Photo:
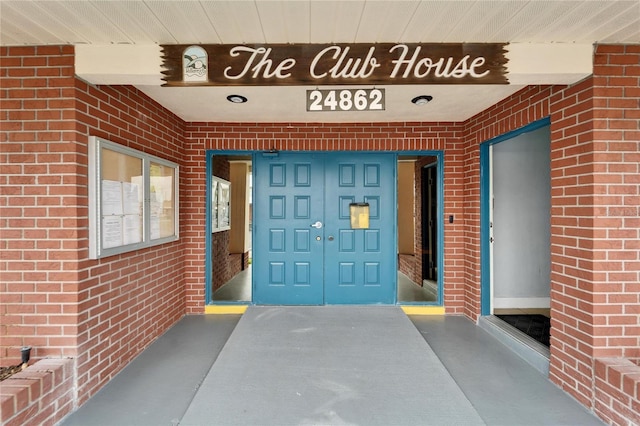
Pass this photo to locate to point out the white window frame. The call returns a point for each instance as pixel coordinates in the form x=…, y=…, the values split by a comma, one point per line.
x=220, y=205
x=97, y=247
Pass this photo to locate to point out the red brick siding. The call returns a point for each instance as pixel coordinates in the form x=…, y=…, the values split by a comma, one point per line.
x=53, y=297
x=126, y=301
x=40, y=203
x=193, y=207
x=220, y=272
x=571, y=237
x=614, y=242
x=454, y=234
x=224, y=266
x=40, y=395
x=407, y=265
x=616, y=201
x=595, y=226
x=617, y=391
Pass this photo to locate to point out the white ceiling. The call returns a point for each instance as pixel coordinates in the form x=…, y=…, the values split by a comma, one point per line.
x=150, y=23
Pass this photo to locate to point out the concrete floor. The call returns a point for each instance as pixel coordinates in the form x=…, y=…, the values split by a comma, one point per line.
x=158, y=387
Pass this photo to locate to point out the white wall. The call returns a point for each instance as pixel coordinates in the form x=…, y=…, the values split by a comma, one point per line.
x=522, y=202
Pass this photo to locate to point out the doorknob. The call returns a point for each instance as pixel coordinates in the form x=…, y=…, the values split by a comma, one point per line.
x=317, y=225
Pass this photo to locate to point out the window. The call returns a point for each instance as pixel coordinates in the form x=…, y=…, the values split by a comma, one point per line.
x=220, y=204
x=133, y=199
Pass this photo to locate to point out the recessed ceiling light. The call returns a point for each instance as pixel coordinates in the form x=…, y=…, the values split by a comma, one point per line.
x=236, y=99
x=422, y=99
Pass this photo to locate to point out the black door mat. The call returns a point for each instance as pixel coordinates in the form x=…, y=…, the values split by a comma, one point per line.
x=535, y=326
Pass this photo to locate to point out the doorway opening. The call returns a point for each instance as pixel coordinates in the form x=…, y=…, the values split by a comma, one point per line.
x=420, y=228
x=230, y=260
x=229, y=205
x=516, y=230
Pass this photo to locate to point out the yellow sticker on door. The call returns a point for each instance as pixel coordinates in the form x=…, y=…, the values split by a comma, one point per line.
x=359, y=215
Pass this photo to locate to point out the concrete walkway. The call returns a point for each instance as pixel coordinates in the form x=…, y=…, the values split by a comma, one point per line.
x=159, y=386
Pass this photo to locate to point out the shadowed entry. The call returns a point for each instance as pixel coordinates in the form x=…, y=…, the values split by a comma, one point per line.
x=517, y=230
x=309, y=248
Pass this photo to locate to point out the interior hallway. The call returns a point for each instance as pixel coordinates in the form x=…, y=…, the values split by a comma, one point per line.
x=159, y=386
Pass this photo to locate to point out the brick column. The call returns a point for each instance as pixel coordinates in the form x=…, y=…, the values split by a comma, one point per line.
x=41, y=202
x=595, y=233
x=616, y=233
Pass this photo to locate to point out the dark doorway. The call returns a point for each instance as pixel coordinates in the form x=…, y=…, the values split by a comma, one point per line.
x=430, y=225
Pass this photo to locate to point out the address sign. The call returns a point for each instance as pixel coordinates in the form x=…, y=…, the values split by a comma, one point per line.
x=345, y=100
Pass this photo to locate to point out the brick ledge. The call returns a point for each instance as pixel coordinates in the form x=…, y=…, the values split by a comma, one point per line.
x=42, y=394
x=617, y=391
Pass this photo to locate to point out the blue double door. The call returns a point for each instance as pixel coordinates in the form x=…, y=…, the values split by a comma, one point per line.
x=305, y=250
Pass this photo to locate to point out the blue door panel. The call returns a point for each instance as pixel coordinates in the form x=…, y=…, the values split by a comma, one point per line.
x=302, y=274
x=277, y=207
x=287, y=259
x=296, y=263
x=360, y=264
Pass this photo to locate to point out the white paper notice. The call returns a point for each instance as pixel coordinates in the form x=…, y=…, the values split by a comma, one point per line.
x=155, y=227
x=131, y=198
x=111, y=231
x=132, y=229
x=111, y=198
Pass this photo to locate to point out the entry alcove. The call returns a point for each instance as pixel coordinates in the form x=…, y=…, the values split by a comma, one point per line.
x=419, y=229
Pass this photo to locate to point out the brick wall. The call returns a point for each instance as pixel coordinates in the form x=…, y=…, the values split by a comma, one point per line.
x=571, y=236
x=595, y=230
x=40, y=395
x=41, y=202
x=224, y=266
x=407, y=265
x=415, y=271
x=193, y=212
x=616, y=201
x=125, y=301
x=101, y=313
x=454, y=233
x=617, y=391
x=220, y=272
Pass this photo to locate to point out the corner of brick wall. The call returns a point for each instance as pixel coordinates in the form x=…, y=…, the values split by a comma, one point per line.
x=407, y=264
x=617, y=391
x=42, y=394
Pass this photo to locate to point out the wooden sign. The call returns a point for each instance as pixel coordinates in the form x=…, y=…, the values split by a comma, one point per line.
x=334, y=64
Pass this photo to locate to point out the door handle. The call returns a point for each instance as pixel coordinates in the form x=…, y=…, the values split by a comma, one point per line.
x=317, y=225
